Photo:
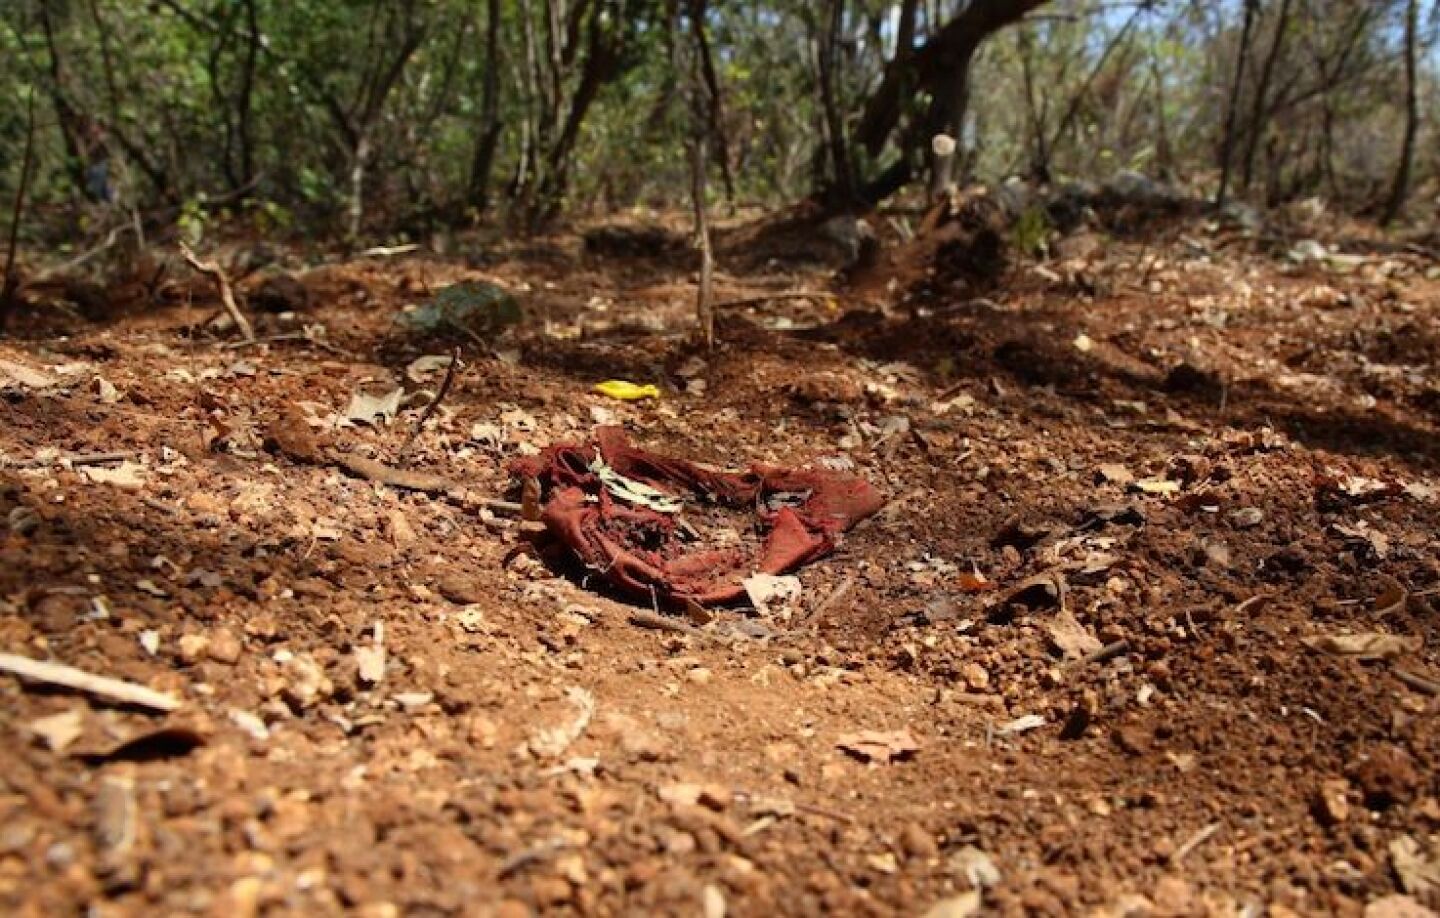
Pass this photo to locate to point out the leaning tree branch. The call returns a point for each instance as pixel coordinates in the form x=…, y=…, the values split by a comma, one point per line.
x=222, y=283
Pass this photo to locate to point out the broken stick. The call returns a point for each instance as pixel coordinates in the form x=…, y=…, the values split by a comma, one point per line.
x=222, y=283
x=424, y=482
x=78, y=679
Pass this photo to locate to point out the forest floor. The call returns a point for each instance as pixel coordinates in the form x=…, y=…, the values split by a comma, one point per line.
x=1148, y=625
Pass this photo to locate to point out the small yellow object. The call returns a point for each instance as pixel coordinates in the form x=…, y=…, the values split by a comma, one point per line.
x=626, y=391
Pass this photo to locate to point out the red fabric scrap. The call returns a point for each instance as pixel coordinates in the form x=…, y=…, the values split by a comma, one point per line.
x=636, y=549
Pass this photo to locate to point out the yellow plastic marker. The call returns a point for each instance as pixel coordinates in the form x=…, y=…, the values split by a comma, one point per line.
x=626, y=391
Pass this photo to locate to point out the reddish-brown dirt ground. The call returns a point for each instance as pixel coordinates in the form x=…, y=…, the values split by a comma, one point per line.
x=1127, y=493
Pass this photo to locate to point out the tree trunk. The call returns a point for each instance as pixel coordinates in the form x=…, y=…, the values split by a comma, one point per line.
x=1401, y=187
x=484, y=158
x=1262, y=94
x=715, y=108
x=842, y=173
x=1228, y=142
x=932, y=66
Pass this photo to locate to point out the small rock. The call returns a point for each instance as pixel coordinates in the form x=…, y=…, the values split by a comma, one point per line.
x=192, y=648
x=1331, y=805
x=976, y=676
x=712, y=902
x=1174, y=896
x=974, y=867
x=917, y=843
x=1246, y=517
x=462, y=590
x=961, y=906
x=1397, y=907
x=224, y=646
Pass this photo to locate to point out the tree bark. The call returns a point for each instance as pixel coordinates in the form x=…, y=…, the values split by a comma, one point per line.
x=842, y=172
x=933, y=66
x=484, y=159
x=1227, y=144
x=715, y=107
x=1401, y=187
x=1262, y=95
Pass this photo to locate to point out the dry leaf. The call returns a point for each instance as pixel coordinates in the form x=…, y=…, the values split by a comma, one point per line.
x=1417, y=869
x=24, y=377
x=1373, y=645
x=127, y=475
x=977, y=582
x=370, y=663
x=879, y=746
x=1022, y=724
x=366, y=409
x=1070, y=637
x=421, y=367
x=1114, y=474
x=59, y=730
x=773, y=596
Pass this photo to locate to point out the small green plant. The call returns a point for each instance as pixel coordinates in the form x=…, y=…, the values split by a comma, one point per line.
x=192, y=219
x=1031, y=233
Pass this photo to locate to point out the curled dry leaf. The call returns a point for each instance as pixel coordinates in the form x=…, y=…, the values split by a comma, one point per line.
x=1070, y=637
x=1418, y=869
x=1374, y=645
x=882, y=746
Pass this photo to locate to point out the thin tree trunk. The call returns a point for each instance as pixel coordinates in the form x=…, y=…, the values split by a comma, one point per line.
x=1401, y=187
x=1164, y=156
x=1262, y=94
x=715, y=109
x=1228, y=142
x=842, y=172
x=484, y=159
x=245, y=97
x=1040, y=150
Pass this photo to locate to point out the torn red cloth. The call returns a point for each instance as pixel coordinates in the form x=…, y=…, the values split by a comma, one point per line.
x=636, y=548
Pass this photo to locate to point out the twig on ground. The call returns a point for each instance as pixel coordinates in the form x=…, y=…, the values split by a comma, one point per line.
x=101, y=686
x=424, y=482
x=1108, y=652
x=828, y=602
x=1417, y=682
x=75, y=459
x=1193, y=842
x=430, y=408
x=655, y=621
x=767, y=297
x=222, y=283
